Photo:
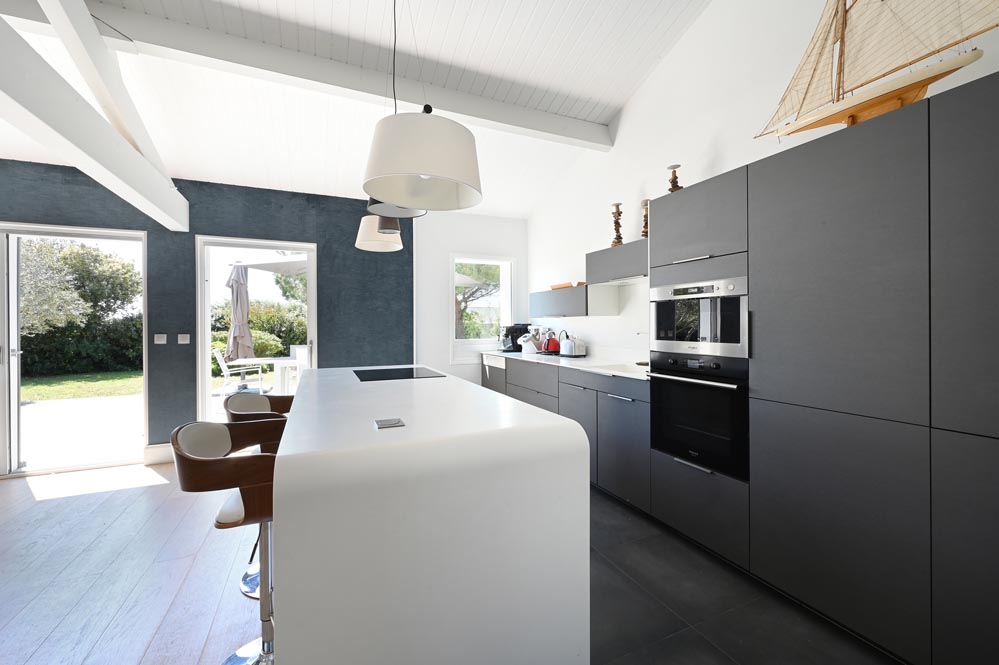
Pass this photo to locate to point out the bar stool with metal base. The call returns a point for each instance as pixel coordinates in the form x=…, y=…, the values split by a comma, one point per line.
x=243, y=407
x=203, y=455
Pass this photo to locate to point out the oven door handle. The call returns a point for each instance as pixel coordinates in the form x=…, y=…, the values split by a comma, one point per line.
x=700, y=382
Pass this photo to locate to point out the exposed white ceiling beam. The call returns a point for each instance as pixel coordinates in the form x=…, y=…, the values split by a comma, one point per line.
x=74, y=25
x=185, y=43
x=38, y=101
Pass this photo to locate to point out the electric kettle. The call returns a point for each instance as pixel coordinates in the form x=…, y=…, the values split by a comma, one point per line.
x=551, y=344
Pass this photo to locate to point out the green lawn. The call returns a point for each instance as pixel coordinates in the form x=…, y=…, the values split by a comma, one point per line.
x=104, y=384
x=68, y=386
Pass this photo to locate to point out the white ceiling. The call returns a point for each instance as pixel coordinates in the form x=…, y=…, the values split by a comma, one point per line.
x=577, y=58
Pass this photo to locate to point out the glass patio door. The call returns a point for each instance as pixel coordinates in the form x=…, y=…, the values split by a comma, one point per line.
x=72, y=389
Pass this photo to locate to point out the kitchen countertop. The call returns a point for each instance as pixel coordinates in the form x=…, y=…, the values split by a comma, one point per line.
x=596, y=364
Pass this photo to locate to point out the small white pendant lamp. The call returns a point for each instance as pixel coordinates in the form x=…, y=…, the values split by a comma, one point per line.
x=421, y=161
x=370, y=240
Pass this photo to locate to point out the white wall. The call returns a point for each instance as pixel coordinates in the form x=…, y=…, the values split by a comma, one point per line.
x=436, y=237
x=701, y=107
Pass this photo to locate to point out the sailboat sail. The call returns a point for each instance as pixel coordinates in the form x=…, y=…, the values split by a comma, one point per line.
x=880, y=38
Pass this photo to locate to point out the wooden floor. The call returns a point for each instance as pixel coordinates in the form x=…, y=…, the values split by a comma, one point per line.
x=118, y=566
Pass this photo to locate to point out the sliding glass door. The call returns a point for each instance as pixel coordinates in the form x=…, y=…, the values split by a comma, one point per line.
x=73, y=356
x=257, y=318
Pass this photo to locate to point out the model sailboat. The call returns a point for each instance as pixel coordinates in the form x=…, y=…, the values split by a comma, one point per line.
x=859, y=43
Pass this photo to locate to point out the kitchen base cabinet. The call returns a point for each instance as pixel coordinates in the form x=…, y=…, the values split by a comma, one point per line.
x=840, y=519
x=494, y=378
x=533, y=397
x=539, y=377
x=965, y=547
x=580, y=404
x=710, y=508
x=623, y=438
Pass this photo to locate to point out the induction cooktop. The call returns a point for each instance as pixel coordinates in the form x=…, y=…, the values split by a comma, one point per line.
x=396, y=373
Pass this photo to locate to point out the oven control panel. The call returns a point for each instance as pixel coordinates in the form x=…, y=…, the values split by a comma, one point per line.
x=732, y=368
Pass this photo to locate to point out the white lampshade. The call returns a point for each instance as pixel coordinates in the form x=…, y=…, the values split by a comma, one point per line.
x=376, y=207
x=370, y=240
x=423, y=161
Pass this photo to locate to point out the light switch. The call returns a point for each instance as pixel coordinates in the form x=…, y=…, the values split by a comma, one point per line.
x=159, y=338
x=183, y=339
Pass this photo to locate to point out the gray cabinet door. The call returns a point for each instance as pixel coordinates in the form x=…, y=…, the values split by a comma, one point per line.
x=559, y=302
x=628, y=260
x=839, y=271
x=538, y=376
x=494, y=378
x=965, y=547
x=840, y=519
x=704, y=219
x=964, y=247
x=623, y=447
x=710, y=508
x=580, y=404
x=532, y=397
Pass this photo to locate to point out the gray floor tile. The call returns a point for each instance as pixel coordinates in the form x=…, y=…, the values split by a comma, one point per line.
x=687, y=647
x=775, y=631
x=693, y=583
x=623, y=617
x=613, y=523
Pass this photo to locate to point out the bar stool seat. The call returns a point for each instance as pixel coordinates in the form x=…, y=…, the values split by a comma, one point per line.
x=203, y=454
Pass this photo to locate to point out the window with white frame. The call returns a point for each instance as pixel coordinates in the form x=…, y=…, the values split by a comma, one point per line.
x=483, y=304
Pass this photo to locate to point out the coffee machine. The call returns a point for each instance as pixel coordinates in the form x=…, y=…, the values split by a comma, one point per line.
x=510, y=336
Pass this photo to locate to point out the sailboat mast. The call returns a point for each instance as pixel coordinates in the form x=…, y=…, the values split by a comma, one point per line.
x=842, y=51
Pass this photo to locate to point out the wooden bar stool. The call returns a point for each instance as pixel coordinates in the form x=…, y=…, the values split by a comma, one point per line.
x=203, y=455
x=240, y=407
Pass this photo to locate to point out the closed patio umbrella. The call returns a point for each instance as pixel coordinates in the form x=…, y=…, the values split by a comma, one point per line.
x=240, y=344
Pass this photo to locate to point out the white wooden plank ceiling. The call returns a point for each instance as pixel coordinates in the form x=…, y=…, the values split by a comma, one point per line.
x=576, y=58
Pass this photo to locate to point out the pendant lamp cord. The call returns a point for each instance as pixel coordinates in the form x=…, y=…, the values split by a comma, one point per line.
x=395, y=39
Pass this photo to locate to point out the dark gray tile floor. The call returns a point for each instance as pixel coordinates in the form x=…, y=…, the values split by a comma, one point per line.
x=658, y=599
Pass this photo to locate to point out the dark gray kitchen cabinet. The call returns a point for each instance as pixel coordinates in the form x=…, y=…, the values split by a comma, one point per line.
x=628, y=260
x=840, y=519
x=559, y=302
x=494, y=378
x=839, y=271
x=965, y=547
x=964, y=258
x=710, y=508
x=537, y=376
x=623, y=439
x=702, y=220
x=580, y=404
x=532, y=397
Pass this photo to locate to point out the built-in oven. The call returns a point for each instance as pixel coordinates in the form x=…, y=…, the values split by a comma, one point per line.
x=708, y=318
x=700, y=411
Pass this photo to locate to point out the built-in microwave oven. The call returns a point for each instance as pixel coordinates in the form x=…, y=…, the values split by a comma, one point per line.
x=702, y=318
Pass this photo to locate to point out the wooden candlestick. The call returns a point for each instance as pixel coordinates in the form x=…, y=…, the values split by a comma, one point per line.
x=645, y=218
x=616, y=214
x=674, y=182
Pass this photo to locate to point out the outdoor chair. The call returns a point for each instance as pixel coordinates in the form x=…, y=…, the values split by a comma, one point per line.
x=240, y=384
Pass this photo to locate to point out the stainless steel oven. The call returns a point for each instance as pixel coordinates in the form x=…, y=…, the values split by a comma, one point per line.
x=702, y=318
x=700, y=411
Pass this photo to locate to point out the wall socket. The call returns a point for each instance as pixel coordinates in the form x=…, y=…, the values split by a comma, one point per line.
x=183, y=339
x=159, y=338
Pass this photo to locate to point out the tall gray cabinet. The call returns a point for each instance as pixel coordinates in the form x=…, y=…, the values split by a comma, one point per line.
x=964, y=223
x=839, y=271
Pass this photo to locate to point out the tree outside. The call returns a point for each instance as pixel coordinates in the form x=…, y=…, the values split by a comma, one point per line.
x=476, y=315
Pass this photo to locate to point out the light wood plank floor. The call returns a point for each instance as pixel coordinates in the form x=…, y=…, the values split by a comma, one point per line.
x=118, y=566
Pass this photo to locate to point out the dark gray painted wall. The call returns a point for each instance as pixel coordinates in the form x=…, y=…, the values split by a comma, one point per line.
x=365, y=300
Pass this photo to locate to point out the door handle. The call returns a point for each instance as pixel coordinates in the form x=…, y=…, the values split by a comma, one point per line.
x=569, y=385
x=701, y=382
x=698, y=467
x=693, y=258
x=623, y=399
x=16, y=352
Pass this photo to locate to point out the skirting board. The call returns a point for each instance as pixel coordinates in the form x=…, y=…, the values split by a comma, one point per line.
x=157, y=453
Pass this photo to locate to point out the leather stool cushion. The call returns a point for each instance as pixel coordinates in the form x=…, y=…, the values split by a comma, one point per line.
x=249, y=403
x=231, y=512
x=208, y=440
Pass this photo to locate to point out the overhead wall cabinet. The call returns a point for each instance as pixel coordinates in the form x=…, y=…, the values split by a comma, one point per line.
x=702, y=220
x=964, y=245
x=618, y=263
x=574, y=301
x=839, y=271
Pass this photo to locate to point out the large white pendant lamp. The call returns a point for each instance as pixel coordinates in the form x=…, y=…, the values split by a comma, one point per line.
x=370, y=240
x=382, y=209
x=421, y=161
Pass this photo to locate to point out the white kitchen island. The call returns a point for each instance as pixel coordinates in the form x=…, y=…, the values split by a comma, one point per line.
x=461, y=538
